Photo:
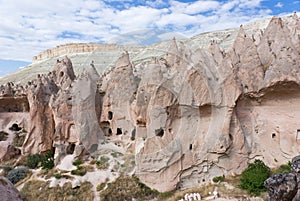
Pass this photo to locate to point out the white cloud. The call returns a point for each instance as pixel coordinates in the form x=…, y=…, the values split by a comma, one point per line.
x=279, y=5
x=28, y=27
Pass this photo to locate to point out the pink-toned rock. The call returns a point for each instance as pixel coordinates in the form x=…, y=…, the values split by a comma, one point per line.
x=188, y=116
x=8, y=151
x=8, y=192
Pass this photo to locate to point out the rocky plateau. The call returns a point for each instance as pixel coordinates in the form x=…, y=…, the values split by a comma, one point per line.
x=187, y=110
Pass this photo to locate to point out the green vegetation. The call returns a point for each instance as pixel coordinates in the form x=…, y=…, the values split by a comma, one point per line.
x=285, y=168
x=35, y=190
x=80, y=171
x=218, y=179
x=253, y=177
x=77, y=162
x=33, y=161
x=17, y=174
x=19, y=140
x=3, y=136
x=127, y=188
x=58, y=176
x=102, y=163
x=101, y=186
x=115, y=154
x=46, y=161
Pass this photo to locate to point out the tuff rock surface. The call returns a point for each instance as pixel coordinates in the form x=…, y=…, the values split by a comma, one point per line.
x=8, y=192
x=187, y=115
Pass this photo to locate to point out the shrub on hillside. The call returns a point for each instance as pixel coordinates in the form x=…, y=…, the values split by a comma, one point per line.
x=46, y=161
x=284, y=168
x=253, y=177
x=218, y=179
x=17, y=174
x=127, y=188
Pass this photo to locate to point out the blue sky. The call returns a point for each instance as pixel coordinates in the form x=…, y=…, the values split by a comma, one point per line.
x=28, y=27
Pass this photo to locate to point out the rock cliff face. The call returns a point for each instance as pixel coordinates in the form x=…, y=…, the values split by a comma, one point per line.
x=73, y=48
x=188, y=115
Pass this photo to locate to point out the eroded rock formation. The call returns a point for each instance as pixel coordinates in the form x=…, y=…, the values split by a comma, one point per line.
x=188, y=116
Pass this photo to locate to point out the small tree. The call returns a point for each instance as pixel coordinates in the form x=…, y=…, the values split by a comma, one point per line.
x=17, y=174
x=253, y=177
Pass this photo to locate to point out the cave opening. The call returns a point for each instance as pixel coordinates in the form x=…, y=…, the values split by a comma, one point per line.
x=159, y=132
x=191, y=146
x=71, y=148
x=110, y=115
x=133, y=133
x=15, y=127
x=298, y=134
x=119, y=131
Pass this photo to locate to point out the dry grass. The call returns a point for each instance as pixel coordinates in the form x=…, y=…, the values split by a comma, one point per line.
x=39, y=191
x=46, y=173
x=3, y=182
x=89, y=168
x=126, y=188
x=3, y=136
x=227, y=189
x=19, y=140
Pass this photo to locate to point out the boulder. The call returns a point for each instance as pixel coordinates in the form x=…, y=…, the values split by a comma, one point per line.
x=282, y=187
x=8, y=192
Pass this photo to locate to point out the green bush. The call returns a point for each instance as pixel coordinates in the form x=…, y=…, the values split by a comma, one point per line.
x=79, y=171
x=46, y=161
x=253, y=177
x=58, y=176
x=285, y=168
x=34, y=161
x=218, y=179
x=103, y=162
x=77, y=162
x=17, y=174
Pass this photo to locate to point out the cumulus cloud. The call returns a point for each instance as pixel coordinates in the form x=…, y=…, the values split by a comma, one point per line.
x=28, y=27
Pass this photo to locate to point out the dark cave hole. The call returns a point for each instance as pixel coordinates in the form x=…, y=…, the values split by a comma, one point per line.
x=71, y=148
x=159, y=132
x=15, y=127
x=273, y=135
x=133, y=133
x=191, y=146
x=110, y=115
x=119, y=131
